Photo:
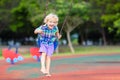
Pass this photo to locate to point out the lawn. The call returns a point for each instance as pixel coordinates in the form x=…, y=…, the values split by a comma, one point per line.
x=64, y=50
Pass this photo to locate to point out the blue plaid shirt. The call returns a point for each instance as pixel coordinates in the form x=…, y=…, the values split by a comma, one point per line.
x=49, y=34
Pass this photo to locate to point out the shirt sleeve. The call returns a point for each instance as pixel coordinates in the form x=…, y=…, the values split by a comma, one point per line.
x=39, y=28
x=56, y=29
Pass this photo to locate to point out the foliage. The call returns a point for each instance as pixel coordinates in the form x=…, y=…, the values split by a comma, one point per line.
x=111, y=16
x=20, y=15
x=5, y=11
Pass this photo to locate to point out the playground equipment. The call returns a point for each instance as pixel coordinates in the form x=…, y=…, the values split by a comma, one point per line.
x=12, y=56
x=34, y=51
x=35, y=54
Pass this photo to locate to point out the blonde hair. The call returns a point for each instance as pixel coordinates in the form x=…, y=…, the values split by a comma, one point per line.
x=49, y=16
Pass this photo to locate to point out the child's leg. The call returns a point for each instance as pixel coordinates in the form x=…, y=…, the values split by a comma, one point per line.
x=43, y=69
x=50, y=50
x=48, y=61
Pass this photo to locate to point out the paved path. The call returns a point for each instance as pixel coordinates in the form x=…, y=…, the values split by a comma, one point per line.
x=77, y=67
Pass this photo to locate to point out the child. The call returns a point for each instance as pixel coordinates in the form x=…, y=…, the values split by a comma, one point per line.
x=48, y=34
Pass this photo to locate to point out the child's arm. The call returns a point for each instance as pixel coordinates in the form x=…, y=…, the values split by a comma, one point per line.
x=38, y=31
x=58, y=35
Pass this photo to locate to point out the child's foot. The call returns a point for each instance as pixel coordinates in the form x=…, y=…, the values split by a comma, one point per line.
x=48, y=75
x=43, y=71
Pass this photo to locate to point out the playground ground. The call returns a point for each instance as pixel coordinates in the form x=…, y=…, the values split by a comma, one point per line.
x=72, y=67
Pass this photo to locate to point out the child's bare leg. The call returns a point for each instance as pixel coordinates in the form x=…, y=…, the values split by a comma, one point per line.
x=48, y=61
x=43, y=69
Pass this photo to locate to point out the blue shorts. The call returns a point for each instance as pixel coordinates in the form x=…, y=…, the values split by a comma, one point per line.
x=48, y=49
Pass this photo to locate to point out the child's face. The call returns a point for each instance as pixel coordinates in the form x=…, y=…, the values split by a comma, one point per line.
x=51, y=23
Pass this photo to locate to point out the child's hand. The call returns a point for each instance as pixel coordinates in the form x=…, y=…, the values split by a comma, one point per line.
x=59, y=36
x=38, y=31
x=41, y=32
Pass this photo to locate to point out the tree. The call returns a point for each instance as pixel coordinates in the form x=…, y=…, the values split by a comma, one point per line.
x=95, y=13
x=105, y=15
x=111, y=17
x=73, y=19
x=71, y=23
x=5, y=11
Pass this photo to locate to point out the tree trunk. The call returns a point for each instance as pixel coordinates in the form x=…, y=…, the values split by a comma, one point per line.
x=86, y=36
x=69, y=42
x=80, y=38
x=103, y=36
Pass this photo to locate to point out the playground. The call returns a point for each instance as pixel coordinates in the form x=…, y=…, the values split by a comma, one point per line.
x=83, y=33
x=72, y=67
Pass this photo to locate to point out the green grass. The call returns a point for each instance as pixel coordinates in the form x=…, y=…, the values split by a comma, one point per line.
x=64, y=50
x=98, y=49
x=1, y=54
x=90, y=50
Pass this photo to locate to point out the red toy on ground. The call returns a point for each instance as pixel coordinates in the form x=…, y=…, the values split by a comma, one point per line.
x=34, y=51
x=10, y=56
